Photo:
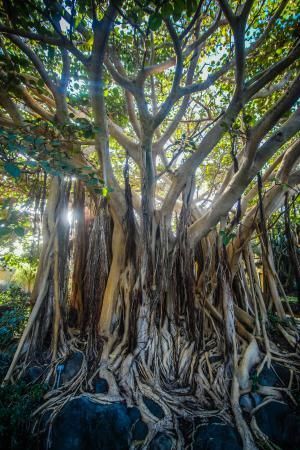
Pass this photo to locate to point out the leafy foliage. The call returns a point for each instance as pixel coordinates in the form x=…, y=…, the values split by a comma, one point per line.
x=17, y=402
x=14, y=312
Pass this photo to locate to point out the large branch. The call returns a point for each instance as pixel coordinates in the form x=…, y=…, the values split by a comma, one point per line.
x=36, y=61
x=215, y=134
x=46, y=39
x=265, y=177
x=61, y=108
x=31, y=103
x=261, y=80
x=294, y=178
x=123, y=81
x=169, y=102
x=102, y=31
x=62, y=41
x=269, y=90
x=130, y=146
x=283, y=105
x=242, y=178
x=129, y=98
x=273, y=199
x=11, y=108
x=238, y=26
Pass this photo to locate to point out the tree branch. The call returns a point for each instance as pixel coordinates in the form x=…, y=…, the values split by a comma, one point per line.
x=33, y=104
x=102, y=31
x=169, y=102
x=10, y=107
x=241, y=179
x=130, y=146
x=157, y=146
x=118, y=78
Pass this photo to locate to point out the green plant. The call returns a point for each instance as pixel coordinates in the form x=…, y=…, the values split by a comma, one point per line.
x=17, y=402
x=14, y=311
x=23, y=267
x=13, y=295
x=25, y=275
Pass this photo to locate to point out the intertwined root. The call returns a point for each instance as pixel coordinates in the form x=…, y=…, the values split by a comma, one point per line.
x=184, y=383
x=171, y=326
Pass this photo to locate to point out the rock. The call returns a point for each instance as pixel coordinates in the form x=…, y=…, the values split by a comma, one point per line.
x=101, y=386
x=32, y=374
x=134, y=414
x=280, y=424
x=161, y=442
x=246, y=402
x=292, y=431
x=215, y=358
x=250, y=401
x=86, y=425
x=140, y=431
x=276, y=375
x=71, y=367
x=154, y=407
x=216, y=435
x=257, y=399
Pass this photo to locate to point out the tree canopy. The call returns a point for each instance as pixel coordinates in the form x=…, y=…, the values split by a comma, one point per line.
x=203, y=82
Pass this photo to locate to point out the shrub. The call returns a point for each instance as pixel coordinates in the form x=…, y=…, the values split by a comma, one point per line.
x=17, y=402
x=14, y=312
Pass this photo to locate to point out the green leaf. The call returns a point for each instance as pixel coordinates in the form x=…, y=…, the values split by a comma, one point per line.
x=226, y=237
x=77, y=21
x=31, y=163
x=12, y=169
x=92, y=182
x=155, y=21
x=4, y=231
x=19, y=231
x=179, y=7
x=51, y=53
x=191, y=7
x=166, y=10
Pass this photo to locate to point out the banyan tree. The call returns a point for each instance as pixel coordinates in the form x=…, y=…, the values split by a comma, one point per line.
x=168, y=133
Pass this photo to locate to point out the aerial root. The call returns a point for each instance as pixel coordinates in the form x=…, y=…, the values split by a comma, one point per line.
x=183, y=382
x=243, y=429
x=250, y=358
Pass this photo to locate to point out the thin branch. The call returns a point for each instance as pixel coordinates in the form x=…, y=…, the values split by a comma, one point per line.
x=183, y=107
x=36, y=61
x=124, y=82
x=46, y=39
x=261, y=80
x=169, y=102
x=198, y=43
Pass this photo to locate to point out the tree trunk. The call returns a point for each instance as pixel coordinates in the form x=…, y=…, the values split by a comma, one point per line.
x=158, y=319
